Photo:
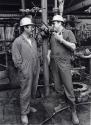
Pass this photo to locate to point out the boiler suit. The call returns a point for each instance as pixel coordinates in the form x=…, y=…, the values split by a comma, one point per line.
x=26, y=60
x=60, y=64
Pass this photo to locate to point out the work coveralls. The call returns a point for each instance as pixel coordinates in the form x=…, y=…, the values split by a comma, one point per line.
x=26, y=59
x=60, y=64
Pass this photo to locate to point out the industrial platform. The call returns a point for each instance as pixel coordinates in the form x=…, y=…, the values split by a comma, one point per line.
x=45, y=115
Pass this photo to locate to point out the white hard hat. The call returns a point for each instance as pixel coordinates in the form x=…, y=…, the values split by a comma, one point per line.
x=26, y=21
x=58, y=18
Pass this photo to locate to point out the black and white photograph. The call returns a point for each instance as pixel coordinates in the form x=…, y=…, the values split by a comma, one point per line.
x=45, y=62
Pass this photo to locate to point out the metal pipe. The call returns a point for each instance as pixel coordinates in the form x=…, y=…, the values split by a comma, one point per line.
x=55, y=3
x=44, y=11
x=45, y=49
x=23, y=4
x=61, y=6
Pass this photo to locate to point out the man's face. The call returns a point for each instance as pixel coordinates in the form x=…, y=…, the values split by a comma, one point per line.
x=29, y=29
x=57, y=25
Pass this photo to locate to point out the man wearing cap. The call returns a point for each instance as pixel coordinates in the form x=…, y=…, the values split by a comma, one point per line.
x=25, y=57
x=62, y=46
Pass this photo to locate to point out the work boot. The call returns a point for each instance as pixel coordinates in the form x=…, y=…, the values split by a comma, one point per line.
x=57, y=108
x=32, y=109
x=75, y=119
x=24, y=119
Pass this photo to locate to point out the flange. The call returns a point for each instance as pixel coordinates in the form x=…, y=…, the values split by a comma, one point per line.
x=81, y=91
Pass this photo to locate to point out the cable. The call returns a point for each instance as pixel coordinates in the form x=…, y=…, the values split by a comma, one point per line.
x=60, y=110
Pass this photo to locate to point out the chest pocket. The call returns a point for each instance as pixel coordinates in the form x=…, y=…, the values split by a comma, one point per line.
x=66, y=36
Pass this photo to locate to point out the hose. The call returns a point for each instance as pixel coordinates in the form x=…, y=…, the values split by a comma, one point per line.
x=60, y=110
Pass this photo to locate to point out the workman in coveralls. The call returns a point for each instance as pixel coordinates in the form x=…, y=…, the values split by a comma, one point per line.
x=25, y=57
x=62, y=46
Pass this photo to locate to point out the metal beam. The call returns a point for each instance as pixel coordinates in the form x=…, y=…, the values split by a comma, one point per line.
x=78, y=6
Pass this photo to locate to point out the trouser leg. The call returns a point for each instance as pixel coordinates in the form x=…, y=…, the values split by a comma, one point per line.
x=55, y=75
x=65, y=74
x=25, y=95
x=35, y=81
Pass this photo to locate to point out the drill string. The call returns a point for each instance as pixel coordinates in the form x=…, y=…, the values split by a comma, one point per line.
x=60, y=110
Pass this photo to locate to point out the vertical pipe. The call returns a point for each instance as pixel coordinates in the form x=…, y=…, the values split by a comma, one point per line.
x=23, y=4
x=6, y=57
x=61, y=6
x=55, y=3
x=45, y=49
x=44, y=11
x=55, y=9
x=90, y=69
